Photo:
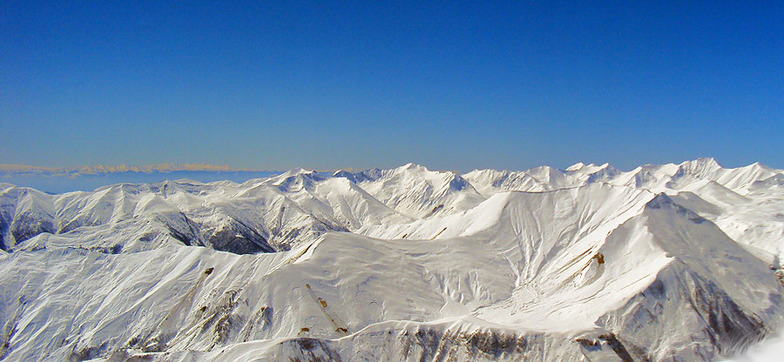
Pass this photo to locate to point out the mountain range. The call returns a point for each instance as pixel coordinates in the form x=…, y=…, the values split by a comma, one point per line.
x=663, y=262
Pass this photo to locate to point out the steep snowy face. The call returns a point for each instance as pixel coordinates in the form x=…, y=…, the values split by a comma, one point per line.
x=35, y=212
x=588, y=263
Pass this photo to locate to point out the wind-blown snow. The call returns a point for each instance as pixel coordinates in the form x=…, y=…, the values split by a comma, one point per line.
x=587, y=263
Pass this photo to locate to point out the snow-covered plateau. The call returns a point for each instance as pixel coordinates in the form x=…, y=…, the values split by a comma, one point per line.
x=663, y=262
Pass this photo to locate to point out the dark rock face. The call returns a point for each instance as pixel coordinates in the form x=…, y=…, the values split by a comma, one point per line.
x=239, y=239
x=685, y=297
x=89, y=353
x=26, y=226
x=3, y=230
x=430, y=344
x=426, y=343
x=234, y=238
x=22, y=226
x=617, y=347
x=180, y=227
x=7, y=210
x=609, y=343
x=732, y=327
x=311, y=349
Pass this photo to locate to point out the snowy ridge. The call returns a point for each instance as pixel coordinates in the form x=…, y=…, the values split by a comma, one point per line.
x=587, y=263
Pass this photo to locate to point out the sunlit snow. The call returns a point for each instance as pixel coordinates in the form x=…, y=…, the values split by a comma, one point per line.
x=588, y=263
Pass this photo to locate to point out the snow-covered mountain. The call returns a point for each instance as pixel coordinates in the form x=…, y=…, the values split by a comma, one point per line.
x=587, y=263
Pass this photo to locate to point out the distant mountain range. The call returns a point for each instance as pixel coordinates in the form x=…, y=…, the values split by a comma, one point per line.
x=101, y=169
x=60, y=180
x=675, y=261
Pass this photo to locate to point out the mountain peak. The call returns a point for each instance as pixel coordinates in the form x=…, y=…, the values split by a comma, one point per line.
x=296, y=178
x=700, y=167
x=704, y=162
x=412, y=166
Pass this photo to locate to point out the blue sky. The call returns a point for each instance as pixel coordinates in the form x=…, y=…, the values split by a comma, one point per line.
x=451, y=85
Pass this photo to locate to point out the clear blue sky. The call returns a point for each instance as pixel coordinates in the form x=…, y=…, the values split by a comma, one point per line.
x=451, y=85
